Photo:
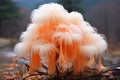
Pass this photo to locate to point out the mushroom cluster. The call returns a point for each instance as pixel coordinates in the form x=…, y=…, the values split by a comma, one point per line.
x=64, y=38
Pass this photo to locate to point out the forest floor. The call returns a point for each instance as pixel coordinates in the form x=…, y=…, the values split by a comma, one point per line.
x=11, y=71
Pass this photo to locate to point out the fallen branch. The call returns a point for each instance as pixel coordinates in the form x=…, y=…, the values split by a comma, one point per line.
x=88, y=74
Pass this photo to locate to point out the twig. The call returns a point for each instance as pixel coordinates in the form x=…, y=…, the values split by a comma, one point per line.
x=29, y=76
x=113, y=65
x=42, y=73
x=27, y=66
x=44, y=66
x=39, y=73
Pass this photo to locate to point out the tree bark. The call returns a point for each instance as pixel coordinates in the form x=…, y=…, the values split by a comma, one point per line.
x=0, y=28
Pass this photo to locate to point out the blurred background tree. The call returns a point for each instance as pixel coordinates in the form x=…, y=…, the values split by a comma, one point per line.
x=71, y=5
x=8, y=11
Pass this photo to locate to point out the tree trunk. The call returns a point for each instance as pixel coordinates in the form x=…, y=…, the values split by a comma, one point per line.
x=0, y=28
